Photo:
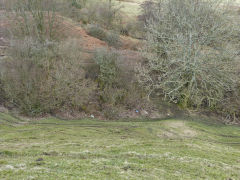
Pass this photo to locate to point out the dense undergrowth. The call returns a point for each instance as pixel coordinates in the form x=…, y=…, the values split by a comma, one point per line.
x=190, y=51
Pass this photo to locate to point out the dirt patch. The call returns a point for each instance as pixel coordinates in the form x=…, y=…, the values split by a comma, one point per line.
x=178, y=129
x=130, y=43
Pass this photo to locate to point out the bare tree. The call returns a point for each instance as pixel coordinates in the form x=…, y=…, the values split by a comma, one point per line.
x=190, y=52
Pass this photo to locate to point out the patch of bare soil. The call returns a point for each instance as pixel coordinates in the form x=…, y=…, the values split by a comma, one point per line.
x=180, y=129
x=130, y=43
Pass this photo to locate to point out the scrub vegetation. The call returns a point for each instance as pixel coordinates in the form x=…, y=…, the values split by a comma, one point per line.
x=65, y=56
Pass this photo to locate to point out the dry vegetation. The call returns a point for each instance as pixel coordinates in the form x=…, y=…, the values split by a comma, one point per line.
x=81, y=56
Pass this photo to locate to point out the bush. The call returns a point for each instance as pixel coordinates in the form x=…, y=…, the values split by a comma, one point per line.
x=111, y=38
x=117, y=87
x=96, y=31
x=189, y=53
x=109, y=72
x=111, y=92
x=43, y=78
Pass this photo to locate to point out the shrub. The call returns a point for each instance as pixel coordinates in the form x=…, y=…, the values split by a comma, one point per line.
x=111, y=38
x=96, y=31
x=108, y=68
x=43, y=78
x=117, y=87
x=189, y=55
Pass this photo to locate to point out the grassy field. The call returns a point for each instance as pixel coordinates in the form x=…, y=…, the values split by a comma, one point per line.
x=132, y=7
x=93, y=149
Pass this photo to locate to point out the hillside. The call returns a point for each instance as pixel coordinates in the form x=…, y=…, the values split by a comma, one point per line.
x=119, y=89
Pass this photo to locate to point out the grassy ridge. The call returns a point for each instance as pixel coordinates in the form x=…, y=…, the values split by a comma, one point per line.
x=90, y=149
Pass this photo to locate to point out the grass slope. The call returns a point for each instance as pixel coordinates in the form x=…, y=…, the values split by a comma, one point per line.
x=91, y=149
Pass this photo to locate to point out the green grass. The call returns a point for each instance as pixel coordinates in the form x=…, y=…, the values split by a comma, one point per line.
x=93, y=149
x=132, y=7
